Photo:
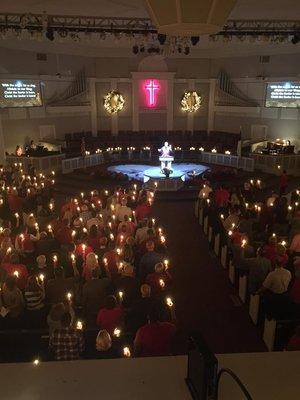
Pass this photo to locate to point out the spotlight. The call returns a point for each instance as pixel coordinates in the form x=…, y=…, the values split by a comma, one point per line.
x=296, y=38
x=135, y=49
x=161, y=38
x=50, y=34
x=186, y=50
x=195, y=40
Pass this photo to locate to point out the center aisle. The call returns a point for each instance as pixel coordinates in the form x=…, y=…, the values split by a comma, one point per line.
x=205, y=300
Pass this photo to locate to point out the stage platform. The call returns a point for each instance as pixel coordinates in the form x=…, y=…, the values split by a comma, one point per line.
x=153, y=178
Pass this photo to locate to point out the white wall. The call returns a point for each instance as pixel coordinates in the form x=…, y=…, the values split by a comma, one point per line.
x=243, y=70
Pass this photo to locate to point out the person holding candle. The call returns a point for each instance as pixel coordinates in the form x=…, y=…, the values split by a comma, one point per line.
x=94, y=293
x=155, y=339
x=12, y=300
x=123, y=210
x=91, y=263
x=57, y=287
x=35, y=296
x=11, y=265
x=143, y=209
x=104, y=347
x=127, y=283
x=111, y=315
x=159, y=280
x=149, y=260
x=66, y=343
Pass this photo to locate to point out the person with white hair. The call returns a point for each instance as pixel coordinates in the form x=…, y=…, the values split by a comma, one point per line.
x=123, y=210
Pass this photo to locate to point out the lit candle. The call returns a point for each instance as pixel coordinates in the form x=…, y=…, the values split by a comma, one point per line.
x=41, y=277
x=244, y=242
x=162, y=283
x=117, y=332
x=111, y=236
x=82, y=195
x=162, y=239
x=118, y=250
x=16, y=274
x=49, y=227
x=126, y=352
x=166, y=263
x=69, y=296
x=169, y=302
x=105, y=261
x=36, y=362
x=55, y=259
x=121, y=295
x=79, y=325
x=73, y=258
x=83, y=249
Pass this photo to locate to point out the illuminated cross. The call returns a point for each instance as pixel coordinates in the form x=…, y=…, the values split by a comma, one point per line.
x=152, y=87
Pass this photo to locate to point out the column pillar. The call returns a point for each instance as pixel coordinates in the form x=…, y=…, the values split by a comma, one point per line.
x=135, y=105
x=190, y=116
x=211, y=106
x=93, y=99
x=114, y=117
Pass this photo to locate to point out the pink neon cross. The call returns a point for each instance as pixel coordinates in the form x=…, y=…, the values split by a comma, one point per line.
x=152, y=96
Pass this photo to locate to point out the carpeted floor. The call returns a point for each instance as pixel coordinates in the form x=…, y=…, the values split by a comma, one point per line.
x=205, y=300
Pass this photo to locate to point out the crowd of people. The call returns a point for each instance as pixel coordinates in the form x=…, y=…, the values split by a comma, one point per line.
x=94, y=263
x=262, y=231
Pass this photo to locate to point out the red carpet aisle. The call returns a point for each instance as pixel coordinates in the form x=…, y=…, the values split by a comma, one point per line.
x=204, y=296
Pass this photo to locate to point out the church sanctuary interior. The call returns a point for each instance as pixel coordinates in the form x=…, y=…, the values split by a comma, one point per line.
x=150, y=199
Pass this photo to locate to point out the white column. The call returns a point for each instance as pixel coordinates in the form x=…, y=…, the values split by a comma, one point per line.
x=190, y=116
x=2, y=147
x=93, y=99
x=114, y=117
x=170, y=105
x=211, y=106
x=135, y=105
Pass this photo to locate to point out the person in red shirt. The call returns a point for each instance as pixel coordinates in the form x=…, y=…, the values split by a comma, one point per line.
x=111, y=261
x=63, y=233
x=159, y=280
x=129, y=226
x=283, y=183
x=83, y=249
x=270, y=249
x=111, y=316
x=12, y=267
x=15, y=202
x=155, y=338
x=94, y=238
x=222, y=197
x=143, y=210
